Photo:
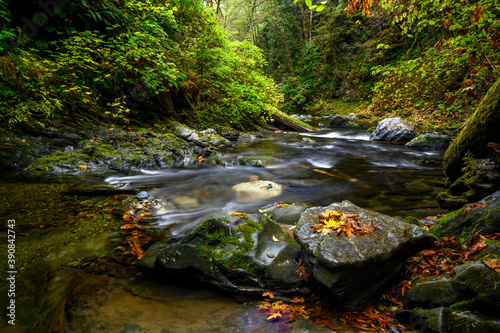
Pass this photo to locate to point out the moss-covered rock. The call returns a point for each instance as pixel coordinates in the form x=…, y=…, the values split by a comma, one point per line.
x=435, y=320
x=432, y=292
x=119, y=150
x=481, y=129
x=430, y=141
x=465, y=222
x=482, y=282
x=246, y=254
x=344, y=121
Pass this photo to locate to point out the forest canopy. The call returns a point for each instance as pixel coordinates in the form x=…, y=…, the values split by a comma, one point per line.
x=233, y=62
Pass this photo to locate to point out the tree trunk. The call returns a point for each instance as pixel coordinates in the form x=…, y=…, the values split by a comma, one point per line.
x=250, y=19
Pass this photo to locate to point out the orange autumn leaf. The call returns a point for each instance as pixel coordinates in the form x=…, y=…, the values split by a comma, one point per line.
x=492, y=263
x=82, y=167
x=238, y=214
x=268, y=294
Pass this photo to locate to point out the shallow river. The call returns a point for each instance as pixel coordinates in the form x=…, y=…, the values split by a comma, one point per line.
x=56, y=232
x=316, y=168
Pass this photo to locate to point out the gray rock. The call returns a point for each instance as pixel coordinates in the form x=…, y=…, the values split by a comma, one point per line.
x=240, y=254
x=474, y=322
x=241, y=160
x=356, y=270
x=206, y=138
x=485, y=220
x=482, y=281
x=284, y=213
x=142, y=195
x=430, y=141
x=432, y=292
x=344, y=121
x=393, y=130
x=436, y=320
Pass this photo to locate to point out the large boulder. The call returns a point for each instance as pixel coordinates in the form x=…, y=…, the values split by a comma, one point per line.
x=357, y=269
x=394, y=130
x=244, y=254
x=479, y=136
x=482, y=216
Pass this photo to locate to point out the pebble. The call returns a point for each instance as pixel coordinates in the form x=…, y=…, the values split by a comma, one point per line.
x=142, y=195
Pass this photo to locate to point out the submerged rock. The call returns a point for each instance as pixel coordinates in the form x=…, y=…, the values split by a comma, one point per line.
x=258, y=189
x=430, y=141
x=394, y=130
x=357, y=269
x=245, y=254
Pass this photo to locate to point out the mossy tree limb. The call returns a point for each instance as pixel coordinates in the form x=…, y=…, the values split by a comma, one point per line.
x=482, y=128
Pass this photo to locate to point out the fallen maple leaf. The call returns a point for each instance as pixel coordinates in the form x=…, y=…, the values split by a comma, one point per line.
x=269, y=294
x=492, y=263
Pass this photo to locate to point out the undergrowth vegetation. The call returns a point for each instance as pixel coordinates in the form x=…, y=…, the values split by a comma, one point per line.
x=133, y=60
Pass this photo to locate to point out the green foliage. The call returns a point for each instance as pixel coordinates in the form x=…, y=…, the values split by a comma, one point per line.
x=452, y=58
x=143, y=59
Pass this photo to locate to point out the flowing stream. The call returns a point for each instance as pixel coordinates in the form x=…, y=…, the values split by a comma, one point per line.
x=317, y=168
x=57, y=233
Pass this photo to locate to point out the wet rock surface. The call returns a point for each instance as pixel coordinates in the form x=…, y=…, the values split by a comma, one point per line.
x=430, y=141
x=357, y=269
x=393, y=130
x=483, y=218
x=245, y=254
x=344, y=121
x=284, y=213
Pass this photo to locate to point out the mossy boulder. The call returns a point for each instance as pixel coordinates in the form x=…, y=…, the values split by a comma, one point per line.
x=435, y=320
x=471, y=321
x=481, y=281
x=473, y=140
x=344, y=121
x=431, y=292
x=480, y=177
x=484, y=218
x=244, y=254
x=119, y=150
x=430, y=141
x=356, y=269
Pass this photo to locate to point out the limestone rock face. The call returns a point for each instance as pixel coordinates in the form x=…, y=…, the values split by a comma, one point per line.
x=357, y=269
